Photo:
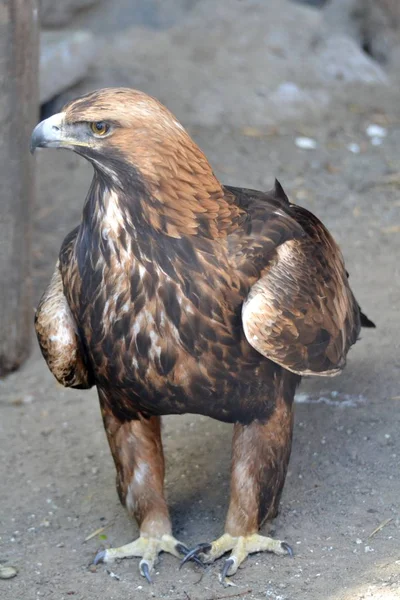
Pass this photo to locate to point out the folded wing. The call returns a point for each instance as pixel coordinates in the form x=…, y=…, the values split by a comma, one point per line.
x=59, y=338
x=301, y=313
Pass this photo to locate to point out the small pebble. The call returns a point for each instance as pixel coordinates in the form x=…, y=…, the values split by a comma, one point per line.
x=306, y=143
x=7, y=572
x=114, y=575
x=376, y=131
x=354, y=148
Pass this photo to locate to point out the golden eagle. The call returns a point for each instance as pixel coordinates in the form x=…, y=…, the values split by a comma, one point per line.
x=177, y=294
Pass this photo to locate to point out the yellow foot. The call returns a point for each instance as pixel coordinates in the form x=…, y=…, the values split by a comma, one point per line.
x=146, y=547
x=240, y=546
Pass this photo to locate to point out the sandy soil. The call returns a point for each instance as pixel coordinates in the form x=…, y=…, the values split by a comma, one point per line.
x=56, y=472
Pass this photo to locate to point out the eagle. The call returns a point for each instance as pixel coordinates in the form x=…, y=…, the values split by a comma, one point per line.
x=177, y=294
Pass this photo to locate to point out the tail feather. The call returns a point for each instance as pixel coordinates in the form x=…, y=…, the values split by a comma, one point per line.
x=365, y=322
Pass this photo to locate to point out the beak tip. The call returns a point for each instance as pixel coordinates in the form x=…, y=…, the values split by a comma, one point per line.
x=36, y=138
x=47, y=133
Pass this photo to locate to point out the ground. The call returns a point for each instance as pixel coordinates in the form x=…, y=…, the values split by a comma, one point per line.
x=340, y=507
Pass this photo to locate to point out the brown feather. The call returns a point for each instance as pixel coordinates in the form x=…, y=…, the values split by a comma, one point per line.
x=59, y=338
x=151, y=290
x=164, y=258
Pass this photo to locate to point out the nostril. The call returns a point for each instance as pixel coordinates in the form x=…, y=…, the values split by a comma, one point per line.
x=55, y=128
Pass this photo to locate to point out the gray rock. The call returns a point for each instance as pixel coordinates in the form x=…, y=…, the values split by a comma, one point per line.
x=7, y=572
x=379, y=23
x=56, y=13
x=116, y=15
x=224, y=65
x=254, y=63
x=291, y=102
x=340, y=59
x=373, y=24
x=65, y=58
x=312, y=2
x=340, y=18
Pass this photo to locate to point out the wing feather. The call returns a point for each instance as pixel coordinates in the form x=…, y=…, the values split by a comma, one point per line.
x=58, y=335
x=301, y=313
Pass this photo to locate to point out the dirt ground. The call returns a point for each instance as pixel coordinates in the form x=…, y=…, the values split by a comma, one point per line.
x=340, y=507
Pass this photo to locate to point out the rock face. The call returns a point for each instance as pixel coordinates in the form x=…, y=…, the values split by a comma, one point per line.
x=340, y=59
x=56, y=13
x=380, y=27
x=373, y=24
x=254, y=63
x=65, y=58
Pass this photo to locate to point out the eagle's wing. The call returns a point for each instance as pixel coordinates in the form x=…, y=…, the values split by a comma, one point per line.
x=301, y=313
x=58, y=334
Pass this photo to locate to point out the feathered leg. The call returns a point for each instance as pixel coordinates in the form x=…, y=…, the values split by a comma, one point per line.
x=138, y=455
x=260, y=456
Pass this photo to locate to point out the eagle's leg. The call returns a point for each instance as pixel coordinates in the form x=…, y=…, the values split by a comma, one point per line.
x=138, y=455
x=260, y=456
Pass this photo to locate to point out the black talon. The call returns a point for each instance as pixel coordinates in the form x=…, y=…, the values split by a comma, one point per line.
x=184, y=550
x=192, y=554
x=224, y=571
x=146, y=571
x=199, y=562
x=288, y=549
x=99, y=557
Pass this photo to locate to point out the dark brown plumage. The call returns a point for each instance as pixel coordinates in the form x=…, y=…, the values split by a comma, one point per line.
x=177, y=294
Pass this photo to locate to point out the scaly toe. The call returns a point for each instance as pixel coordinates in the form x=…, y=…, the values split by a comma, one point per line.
x=245, y=545
x=145, y=547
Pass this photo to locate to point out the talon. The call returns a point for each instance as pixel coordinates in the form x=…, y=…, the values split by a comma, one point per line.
x=224, y=571
x=199, y=562
x=193, y=554
x=182, y=549
x=100, y=556
x=145, y=570
x=288, y=549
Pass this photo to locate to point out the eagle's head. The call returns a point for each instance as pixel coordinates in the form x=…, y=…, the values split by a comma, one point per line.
x=120, y=129
x=140, y=151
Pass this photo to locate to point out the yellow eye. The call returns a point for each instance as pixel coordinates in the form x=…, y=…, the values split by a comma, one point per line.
x=99, y=127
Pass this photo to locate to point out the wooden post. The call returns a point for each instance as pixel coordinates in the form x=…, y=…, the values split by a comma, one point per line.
x=18, y=114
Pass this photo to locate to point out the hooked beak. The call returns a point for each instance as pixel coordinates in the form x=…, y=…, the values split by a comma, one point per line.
x=49, y=133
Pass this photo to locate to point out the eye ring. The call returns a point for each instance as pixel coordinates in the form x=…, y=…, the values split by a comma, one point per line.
x=99, y=128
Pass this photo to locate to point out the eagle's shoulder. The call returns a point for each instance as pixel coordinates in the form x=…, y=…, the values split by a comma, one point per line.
x=248, y=198
x=268, y=221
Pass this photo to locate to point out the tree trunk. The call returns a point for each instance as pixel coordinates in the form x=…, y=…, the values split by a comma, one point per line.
x=18, y=114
